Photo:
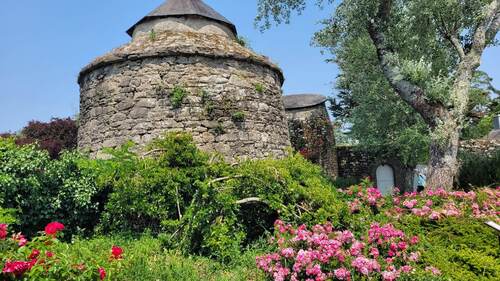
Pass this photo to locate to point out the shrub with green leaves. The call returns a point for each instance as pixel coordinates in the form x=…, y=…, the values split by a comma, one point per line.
x=479, y=169
x=41, y=189
x=204, y=205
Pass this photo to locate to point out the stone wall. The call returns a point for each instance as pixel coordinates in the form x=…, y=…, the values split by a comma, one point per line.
x=359, y=164
x=233, y=102
x=483, y=146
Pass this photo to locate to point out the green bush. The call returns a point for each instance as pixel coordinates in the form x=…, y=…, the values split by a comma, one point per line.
x=479, y=169
x=203, y=205
x=41, y=189
x=463, y=249
x=7, y=216
x=148, y=192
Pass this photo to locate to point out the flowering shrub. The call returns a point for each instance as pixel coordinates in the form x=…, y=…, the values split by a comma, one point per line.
x=322, y=253
x=430, y=205
x=39, y=259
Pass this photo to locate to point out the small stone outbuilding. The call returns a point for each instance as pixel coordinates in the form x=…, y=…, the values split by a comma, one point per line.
x=311, y=131
x=184, y=70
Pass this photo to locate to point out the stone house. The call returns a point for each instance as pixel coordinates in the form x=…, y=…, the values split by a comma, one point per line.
x=311, y=131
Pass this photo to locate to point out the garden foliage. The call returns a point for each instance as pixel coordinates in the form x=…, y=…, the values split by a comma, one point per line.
x=40, y=189
x=479, y=169
x=197, y=204
x=204, y=205
x=54, y=136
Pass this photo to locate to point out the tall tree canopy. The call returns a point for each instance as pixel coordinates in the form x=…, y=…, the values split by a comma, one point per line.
x=417, y=55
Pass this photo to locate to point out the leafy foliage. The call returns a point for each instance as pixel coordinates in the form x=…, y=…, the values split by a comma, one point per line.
x=472, y=255
x=194, y=199
x=177, y=96
x=420, y=45
x=479, y=169
x=41, y=189
x=113, y=258
x=54, y=136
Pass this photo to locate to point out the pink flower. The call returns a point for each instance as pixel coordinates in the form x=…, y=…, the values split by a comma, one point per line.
x=373, y=195
x=3, y=231
x=20, y=239
x=342, y=274
x=354, y=206
x=345, y=236
x=433, y=270
x=102, y=273
x=402, y=246
x=356, y=248
x=406, y=269
x=288, y=253
x=390, y=275
x=314, y=270
x=415, y=256
x=435, y=216
x=414, y=240
x=374, y=252
x=365, y=266
x=410, y=204
x=49, y=254
x=53, y=228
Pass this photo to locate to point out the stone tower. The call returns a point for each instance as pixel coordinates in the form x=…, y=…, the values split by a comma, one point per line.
x=184, y=70
x=311, y=130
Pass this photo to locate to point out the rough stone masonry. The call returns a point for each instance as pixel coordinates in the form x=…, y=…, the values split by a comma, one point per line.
x=187, y=73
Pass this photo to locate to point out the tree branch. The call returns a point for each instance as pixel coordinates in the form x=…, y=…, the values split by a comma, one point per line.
x=458, y=46
x=451, y=36
x=409, y=92
x=486, y=30
x=248, y=200
x=492, y=31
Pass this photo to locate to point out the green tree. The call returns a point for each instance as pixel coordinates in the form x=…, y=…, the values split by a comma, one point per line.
x=427, y=51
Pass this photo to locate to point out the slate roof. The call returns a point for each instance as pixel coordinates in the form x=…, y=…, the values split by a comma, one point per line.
x=303, y=100
x=178, y=8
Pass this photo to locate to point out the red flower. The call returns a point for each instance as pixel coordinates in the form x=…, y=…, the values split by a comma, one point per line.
x=116, y=252
x=53, y=228
x=102, y=273
x=18, y=268
x=49, y=254
x=34, y=254
x=3, y=231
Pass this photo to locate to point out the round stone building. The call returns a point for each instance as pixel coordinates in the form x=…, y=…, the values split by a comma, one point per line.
x=311, y=131
x=184, y=70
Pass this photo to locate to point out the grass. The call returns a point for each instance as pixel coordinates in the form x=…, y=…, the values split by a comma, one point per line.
x=145, y=259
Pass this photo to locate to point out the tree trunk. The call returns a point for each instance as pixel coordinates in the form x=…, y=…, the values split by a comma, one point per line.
x=444, y=119
x=443, y=164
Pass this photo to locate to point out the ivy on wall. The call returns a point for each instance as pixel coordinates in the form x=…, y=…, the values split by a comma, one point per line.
x=313, y=137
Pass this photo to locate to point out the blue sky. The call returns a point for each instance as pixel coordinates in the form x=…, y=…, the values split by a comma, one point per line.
x=44, y=44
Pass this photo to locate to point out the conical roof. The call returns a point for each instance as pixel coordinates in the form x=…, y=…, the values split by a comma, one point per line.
x=177, y=8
